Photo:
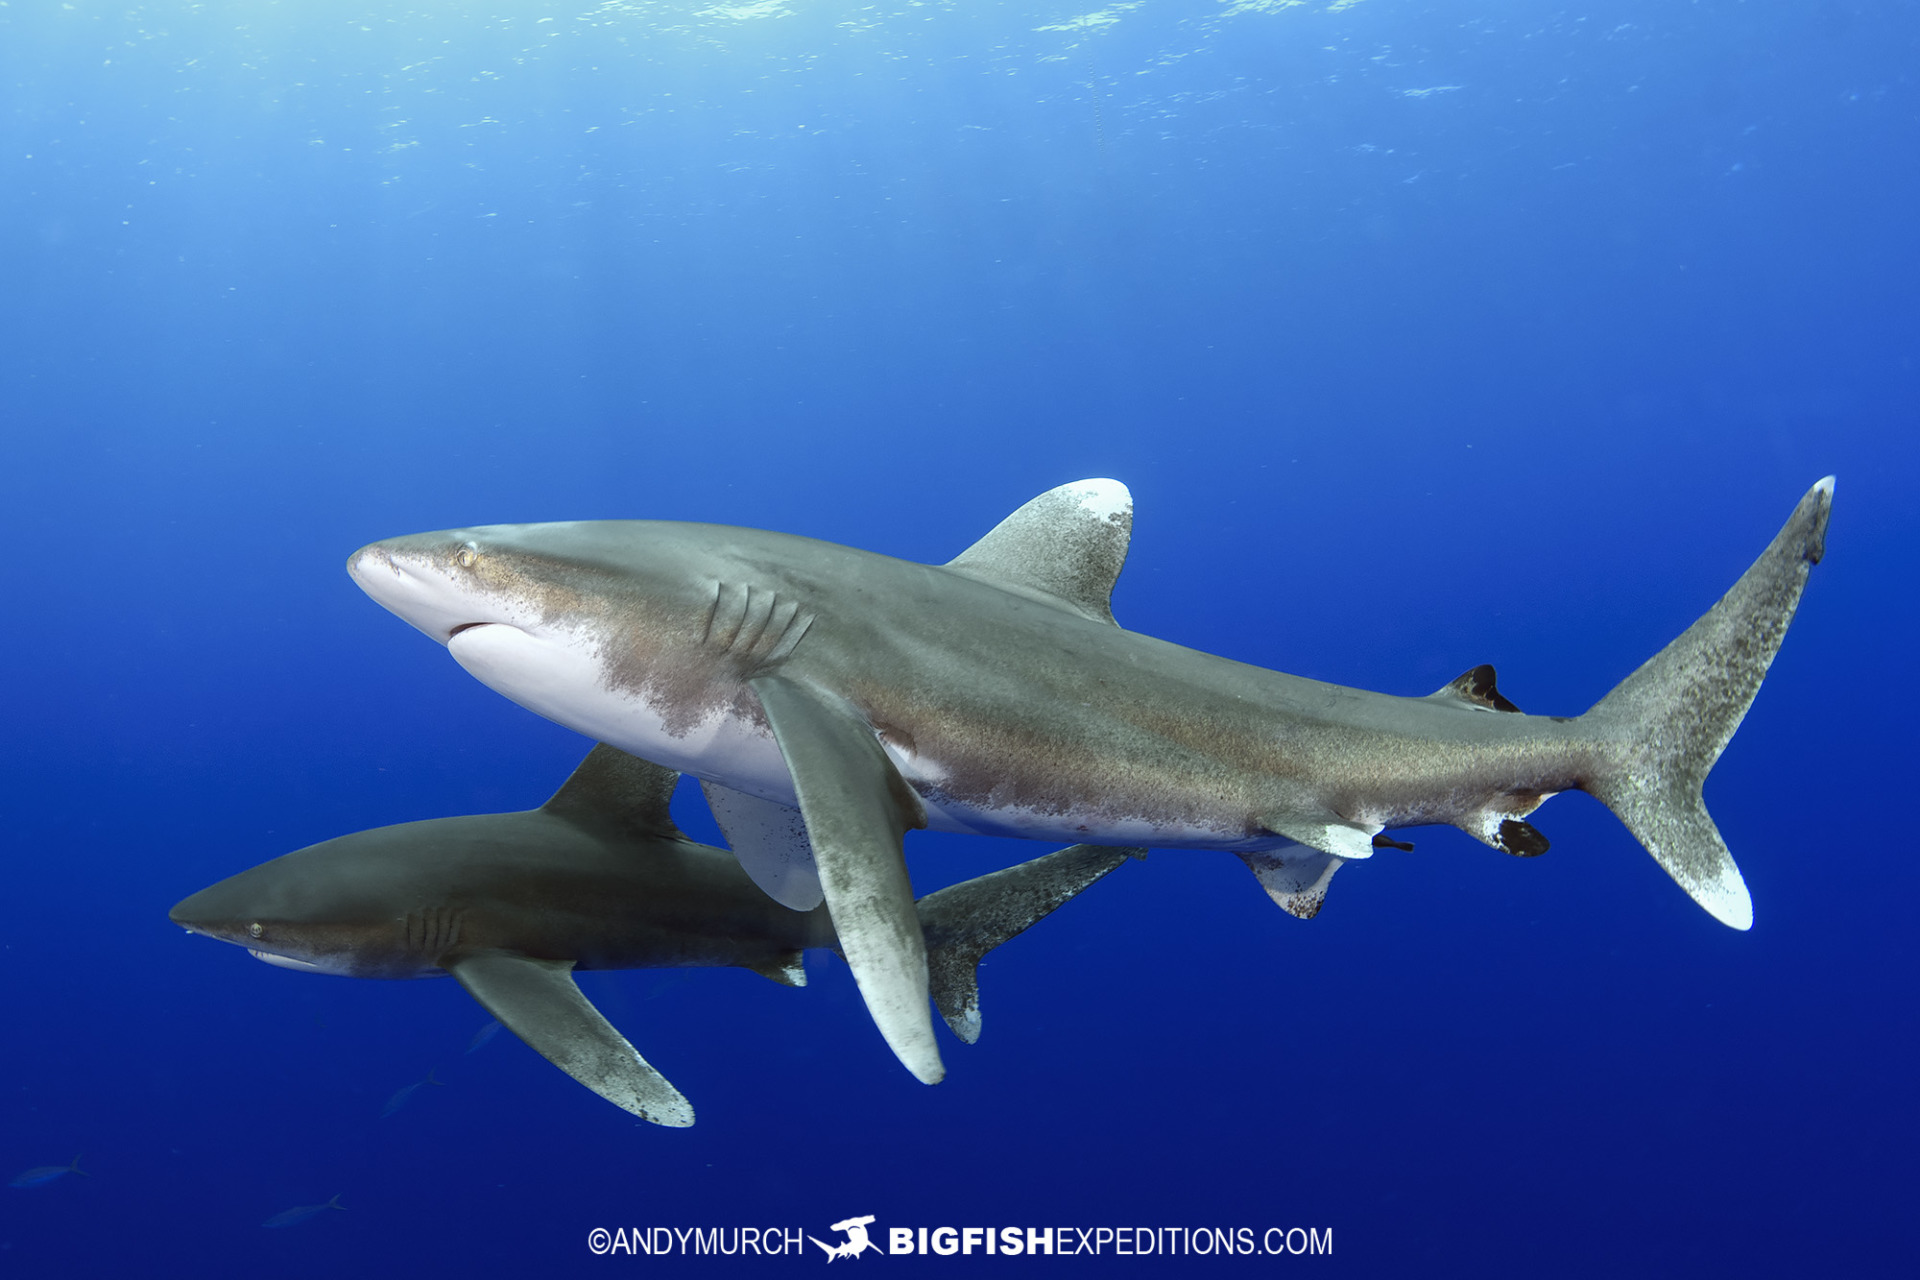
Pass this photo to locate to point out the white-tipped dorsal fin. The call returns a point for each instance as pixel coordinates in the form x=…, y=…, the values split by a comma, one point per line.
x=1066, y=545
x=612, y=786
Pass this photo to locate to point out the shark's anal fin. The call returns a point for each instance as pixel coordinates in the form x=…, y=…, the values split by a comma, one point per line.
x=770, y=840
x=965, y=921
x=857, y=808
x=1067, y=545
x=538, y=1001
x=1500, y=824
x=610, y=786
x=1294, y=876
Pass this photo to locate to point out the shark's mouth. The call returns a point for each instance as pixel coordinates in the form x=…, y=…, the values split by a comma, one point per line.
x=285, y=962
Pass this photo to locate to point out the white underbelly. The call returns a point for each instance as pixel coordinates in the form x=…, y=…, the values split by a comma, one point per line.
x=563, y=680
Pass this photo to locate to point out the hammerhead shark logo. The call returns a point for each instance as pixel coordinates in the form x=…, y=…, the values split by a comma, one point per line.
x=854, y=1245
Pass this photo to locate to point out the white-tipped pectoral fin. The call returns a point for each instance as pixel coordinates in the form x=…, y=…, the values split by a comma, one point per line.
x=1295, y=877
x=538, y=1001
x=770, y=841
x=857, y=809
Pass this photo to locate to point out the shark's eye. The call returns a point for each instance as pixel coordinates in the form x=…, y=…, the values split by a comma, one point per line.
x=467, y=556
x=256, y=931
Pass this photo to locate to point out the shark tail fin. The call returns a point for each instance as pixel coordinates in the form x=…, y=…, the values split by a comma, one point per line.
x=965, y=921
x=1671, y=719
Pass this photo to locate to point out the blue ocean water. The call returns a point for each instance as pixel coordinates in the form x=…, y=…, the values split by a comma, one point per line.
x=1424, y=335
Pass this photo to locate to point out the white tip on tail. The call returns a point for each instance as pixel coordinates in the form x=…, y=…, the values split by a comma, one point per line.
x=1727, y=899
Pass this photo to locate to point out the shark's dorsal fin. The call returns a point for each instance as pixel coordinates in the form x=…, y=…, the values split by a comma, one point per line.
x=1066, y=545
x=1475, y=689
x=965, y=921
x=612, y=786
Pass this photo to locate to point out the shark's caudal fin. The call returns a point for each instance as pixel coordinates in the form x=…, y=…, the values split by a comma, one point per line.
x=965, y=921
x=1672, y=718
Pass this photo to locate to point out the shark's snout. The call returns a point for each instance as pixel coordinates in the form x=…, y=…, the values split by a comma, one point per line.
x=420, y=581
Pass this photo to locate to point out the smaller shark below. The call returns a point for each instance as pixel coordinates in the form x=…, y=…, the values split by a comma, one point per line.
x=599, y=877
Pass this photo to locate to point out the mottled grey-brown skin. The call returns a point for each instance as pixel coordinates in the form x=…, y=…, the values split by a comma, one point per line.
x=1030, y=706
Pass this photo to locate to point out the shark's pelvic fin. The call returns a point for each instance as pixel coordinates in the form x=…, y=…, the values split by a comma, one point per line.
x=770, y=840
x=610, y=786
x=538, y=1001
x=1474, y=689
x=1067, y=545
x=967, y=920
x=1669, y=721
x=1295, y=876
x=1327, y=832
x=857, y=808
x=789, y=968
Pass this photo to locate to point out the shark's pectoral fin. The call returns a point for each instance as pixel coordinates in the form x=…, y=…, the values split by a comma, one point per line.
x=965, y=921
x=857, y=808
x=770, y=840
x=538, y=1001
x=1327, y=832
x=1294, y=876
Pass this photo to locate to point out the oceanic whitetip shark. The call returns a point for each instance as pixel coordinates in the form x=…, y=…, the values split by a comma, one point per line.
x=599, y=877
x=833, y=699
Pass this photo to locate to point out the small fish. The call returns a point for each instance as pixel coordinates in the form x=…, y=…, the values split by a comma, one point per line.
x=404, y=1094
x=41, y=1175
x=301, y=1212
x=483, y=1035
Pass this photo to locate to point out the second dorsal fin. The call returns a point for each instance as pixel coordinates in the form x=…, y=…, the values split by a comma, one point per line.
x=1476, y=689
x=1067, y=545
x=612, y=786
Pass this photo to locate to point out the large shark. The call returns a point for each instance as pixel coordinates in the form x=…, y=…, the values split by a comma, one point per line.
x=833, y=699
x=599, y=877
